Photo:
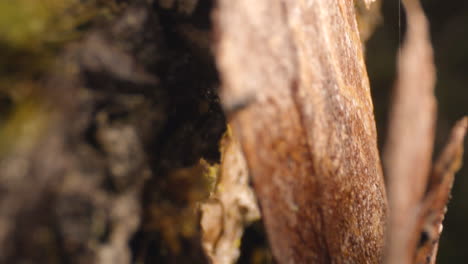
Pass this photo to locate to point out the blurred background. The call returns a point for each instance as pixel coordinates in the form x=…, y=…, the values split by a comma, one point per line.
x=448, y=21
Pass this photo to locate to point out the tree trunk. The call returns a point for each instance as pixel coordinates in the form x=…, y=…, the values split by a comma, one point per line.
x=307, y=127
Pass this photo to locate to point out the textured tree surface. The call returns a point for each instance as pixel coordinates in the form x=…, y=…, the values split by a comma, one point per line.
x=296, y=88
x=116, y=145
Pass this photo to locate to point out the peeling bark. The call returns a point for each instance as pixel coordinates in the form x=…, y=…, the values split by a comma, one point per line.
x=231, y=206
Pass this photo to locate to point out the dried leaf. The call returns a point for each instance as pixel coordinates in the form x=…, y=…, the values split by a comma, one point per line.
x=434, y=205
x=416, y=214
x=412, y=120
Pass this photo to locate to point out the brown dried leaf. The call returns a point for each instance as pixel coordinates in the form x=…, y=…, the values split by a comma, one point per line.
x=417, y=196
x=412, y=118
x=411, y=134
x=434, y=205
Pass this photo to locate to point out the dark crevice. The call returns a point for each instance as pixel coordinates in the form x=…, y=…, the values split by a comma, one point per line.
x=193, y=126
x=255, y=246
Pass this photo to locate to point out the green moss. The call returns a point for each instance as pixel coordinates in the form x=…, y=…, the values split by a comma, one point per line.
x=24, y=126
x=32, y=34
x=28, y=24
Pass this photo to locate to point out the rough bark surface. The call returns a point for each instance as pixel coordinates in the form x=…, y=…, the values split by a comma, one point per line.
x=296, y=90
x=110, y=119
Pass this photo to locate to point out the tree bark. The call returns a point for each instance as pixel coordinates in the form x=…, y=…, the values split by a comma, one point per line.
x=306, y=125
x=132, y=131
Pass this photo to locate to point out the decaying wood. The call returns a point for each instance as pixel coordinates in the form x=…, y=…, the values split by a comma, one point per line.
x=231, y=206
x=417, y=196
x=296, y=89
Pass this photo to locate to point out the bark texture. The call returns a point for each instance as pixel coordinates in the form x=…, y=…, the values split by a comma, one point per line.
x=111, y=146
x=295, y=87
